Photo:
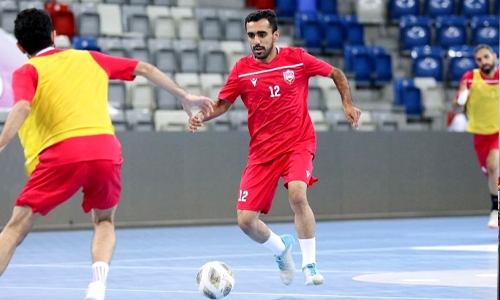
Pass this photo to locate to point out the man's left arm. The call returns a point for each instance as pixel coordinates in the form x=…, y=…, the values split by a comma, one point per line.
x=15, y=120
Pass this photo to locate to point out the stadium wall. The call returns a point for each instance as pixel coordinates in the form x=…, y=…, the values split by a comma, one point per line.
x=192, y=179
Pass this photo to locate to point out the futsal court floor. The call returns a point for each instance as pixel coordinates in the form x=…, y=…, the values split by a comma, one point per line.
x=399, y=259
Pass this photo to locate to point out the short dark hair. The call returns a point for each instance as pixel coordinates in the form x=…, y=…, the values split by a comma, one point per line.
x=483, y=46
x=32, y=29
x=258, y=15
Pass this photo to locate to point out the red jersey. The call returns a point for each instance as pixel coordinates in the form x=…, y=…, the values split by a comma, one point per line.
x=275, y=95
x=84, y=148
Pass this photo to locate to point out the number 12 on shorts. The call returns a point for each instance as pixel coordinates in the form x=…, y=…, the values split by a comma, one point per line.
x=243, y=196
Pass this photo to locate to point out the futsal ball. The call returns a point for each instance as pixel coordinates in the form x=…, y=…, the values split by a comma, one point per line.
x=215, y=280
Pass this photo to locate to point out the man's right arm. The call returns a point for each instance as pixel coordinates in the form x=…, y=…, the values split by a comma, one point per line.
x=463, y=91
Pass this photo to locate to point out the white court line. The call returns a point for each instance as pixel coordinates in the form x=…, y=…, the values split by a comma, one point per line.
x=242, y=293
x=115, y=267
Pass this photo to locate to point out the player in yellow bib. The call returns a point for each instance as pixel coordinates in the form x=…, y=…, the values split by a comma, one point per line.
x=478, y=96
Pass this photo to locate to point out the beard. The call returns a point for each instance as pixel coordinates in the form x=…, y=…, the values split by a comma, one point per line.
x=487, y=68
x=264, y=52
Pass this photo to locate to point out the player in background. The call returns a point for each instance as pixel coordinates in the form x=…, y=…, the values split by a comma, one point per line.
x=273, y=84
x=478, y=97
x=61, y=115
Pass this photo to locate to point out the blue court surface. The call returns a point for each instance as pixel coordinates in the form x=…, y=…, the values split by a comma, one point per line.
x=398, y=259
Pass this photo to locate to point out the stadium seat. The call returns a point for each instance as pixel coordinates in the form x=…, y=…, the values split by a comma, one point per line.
x=371, y=11
x=163, y=55
x=139, y=2
x=89, y=24
x=327, y=6
x=401, y=8
x=308, y=28
x=349, y=56
x=139, y=119
x=136, y=20
x=165, y=28
x=117, y=94
x=334, y=33
x=264, y=4
x=285, y=9
x=8, y=13
x=362, y=67
x=165, y=100
x=154, y=12
x=63, y=42
x=164, y=2
x=460, y=60
x=318, y=120
x=187, y=28
x=234, y=29
x=408, y=95
x=382, y=65
x=140, y=94
x=485, y=30
x=171, y=120
x=110, y=19
x=354, y=33
x=427, y=62
x=337, y=120
x=63, y=19
x=307, y=7
x=471, y=8
x=315, y=95
x=496, y=50
x=496, y=10
x=31, y=4
x=85, y=43
x=433, y=98
x=137, y=49
x=215, y=61
x=451, y=31
x=414, y=31
x=435, y=8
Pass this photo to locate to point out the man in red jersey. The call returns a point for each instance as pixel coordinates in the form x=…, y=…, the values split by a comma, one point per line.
x=273, y=84
x=61, y=115
x=478, y=96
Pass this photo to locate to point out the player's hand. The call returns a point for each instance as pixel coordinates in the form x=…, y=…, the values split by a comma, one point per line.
x=206, y=104
x=352, y=113
x=196, y=122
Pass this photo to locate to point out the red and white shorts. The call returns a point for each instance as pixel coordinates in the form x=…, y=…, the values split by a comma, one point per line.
x=259, y=181
x=49, y=186
x=483, y=144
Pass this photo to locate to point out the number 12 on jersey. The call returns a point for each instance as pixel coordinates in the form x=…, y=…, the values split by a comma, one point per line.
x=275, y=91
x=243, y=196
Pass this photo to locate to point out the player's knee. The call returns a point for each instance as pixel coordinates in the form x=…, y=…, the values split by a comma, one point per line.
x=247, y=224
x=492, y=168
x=297, y=199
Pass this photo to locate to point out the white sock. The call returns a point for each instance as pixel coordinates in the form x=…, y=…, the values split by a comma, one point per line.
x=275, y=244
x=308, y=247
x=100, y=272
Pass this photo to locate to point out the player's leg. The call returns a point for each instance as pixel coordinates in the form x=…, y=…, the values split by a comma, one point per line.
x=14, y=233
x=298, y=177
x=257, y=189
x=47, y=187
x=101, y=189
x=492, y=166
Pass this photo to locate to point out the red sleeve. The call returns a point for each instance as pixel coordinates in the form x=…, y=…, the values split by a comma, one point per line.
x=24, y=83
x=467, y=78
x=314, y=66
x=116, y=67
x=230, y=91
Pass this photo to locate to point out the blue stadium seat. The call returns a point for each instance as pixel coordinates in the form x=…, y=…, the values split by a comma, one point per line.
x=362, y=68
x=471, y=8
x=382, y=65
x=496, y=49
x=285, y=9
x=408, y=95
x=460, y=60
x=427, y=62
x=451, y=31
x=436, y=8
x=401, y=8
x=485, y=30
x=497, y=8
x=308, y=28
x=327, y=6
x=333, y=33
x=85, y=43
x=307, y=6
x=349, y=55
x=414, y=31
x=354, y=32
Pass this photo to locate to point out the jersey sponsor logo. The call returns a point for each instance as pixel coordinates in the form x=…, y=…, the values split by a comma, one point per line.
x=254, y=81
x=289, y=76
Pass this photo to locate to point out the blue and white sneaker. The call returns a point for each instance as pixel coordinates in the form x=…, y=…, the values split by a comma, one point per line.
x=312, y=275
x=285, y=260
x=96, y=291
